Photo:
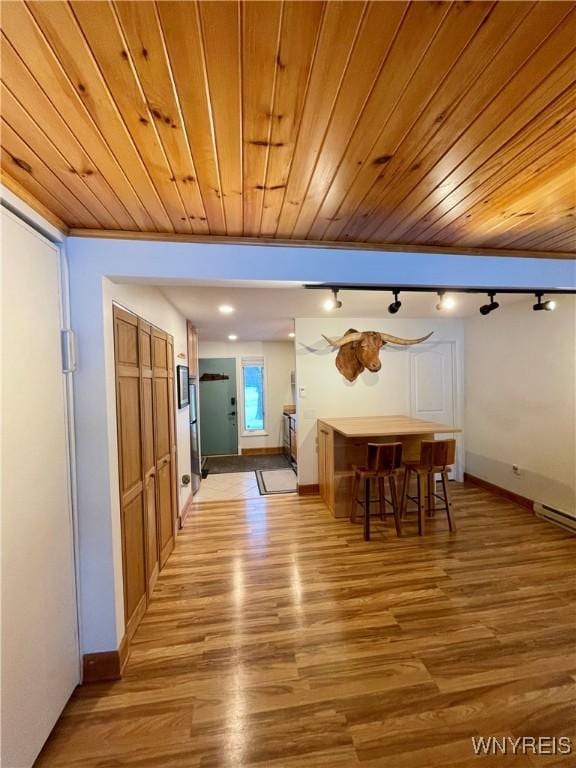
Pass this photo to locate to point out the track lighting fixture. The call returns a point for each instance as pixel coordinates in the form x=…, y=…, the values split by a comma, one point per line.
x=334, y=302
x=445, y=293
x=485, y=309
x=445, y=302
x=547, y=306
x=395, y=306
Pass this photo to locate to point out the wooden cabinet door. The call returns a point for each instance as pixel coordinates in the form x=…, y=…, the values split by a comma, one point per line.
x=148, y=458
x=162, y=398
x=132, y=501
x=173, y=440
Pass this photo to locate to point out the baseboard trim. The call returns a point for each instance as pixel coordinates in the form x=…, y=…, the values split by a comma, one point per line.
x=523, y=501
x=309, y=490
x=185, y=511
x=262, y=451
x=105, y=666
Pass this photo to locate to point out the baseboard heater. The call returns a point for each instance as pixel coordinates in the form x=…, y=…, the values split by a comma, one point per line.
x=563, y=519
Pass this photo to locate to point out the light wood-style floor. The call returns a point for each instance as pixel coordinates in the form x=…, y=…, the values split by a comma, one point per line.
x=278, y=637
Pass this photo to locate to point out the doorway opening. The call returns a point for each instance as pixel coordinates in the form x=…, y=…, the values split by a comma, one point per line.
x=244, y=434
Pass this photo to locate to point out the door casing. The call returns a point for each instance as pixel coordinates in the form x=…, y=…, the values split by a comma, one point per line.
x=445, y=407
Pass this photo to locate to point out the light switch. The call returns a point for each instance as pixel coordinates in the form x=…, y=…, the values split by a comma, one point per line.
x=302, y=392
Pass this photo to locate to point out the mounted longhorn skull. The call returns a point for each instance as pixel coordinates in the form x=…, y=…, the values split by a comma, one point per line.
x=360, y=350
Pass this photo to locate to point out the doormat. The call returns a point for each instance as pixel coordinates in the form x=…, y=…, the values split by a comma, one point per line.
x=276, y=481
x=217, y=465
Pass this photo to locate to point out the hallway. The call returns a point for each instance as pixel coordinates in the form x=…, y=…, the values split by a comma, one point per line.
x=277, y=637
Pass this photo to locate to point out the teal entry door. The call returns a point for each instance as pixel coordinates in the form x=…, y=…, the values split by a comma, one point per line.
x=218, y=406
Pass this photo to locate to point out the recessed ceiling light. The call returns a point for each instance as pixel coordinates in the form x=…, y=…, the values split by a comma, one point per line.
x=291, y=334
x=232, y=337
x=226, y=309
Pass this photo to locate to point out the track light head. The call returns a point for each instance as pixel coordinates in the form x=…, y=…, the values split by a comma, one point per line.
x=445, y=302
x=333, y=303
x=395, y=306
x=485, y=309
x=546, y=306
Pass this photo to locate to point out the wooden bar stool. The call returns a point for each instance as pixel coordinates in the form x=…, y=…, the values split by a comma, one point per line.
x=382, y=461
x=435, y=458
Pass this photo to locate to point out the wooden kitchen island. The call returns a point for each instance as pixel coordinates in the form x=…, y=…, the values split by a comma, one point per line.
x=342, y=443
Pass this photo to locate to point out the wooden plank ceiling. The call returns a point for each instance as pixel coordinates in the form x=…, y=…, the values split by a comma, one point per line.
x=428, y=123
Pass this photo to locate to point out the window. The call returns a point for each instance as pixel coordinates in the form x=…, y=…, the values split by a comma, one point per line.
x=253, y=394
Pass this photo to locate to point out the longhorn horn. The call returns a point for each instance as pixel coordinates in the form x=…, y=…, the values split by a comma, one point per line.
x=387, y=338
x=348, y=338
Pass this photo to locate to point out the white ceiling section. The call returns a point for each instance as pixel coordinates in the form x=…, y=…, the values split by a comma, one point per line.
x=265, y=312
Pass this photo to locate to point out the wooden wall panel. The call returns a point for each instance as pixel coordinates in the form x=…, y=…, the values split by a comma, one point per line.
x=142, y=31
x=37, y=109
x=89, y=113
x=336, y=36
x=220, y=34
x=382, y=123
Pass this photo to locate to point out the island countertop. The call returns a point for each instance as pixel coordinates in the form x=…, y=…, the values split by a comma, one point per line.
x=385, y=426
x=342, y=443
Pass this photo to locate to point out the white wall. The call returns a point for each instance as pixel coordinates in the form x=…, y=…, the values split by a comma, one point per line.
x=520, y=400
x=279, y=362
x=102, y=601
x=92, y=259
x=327, y=394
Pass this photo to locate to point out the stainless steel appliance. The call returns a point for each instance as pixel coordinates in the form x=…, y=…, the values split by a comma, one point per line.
x=195, y=472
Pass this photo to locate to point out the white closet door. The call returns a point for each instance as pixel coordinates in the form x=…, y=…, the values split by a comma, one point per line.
x=432, y=383
x=40, y=664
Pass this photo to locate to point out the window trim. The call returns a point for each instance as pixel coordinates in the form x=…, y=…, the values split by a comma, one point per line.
x=247, y=361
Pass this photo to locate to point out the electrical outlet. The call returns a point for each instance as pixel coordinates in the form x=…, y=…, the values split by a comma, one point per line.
x=516, y=469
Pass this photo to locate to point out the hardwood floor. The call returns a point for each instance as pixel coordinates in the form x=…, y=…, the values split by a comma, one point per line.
x=277, y=637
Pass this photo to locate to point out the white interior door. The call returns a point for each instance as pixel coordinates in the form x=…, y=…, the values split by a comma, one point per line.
x=40, y=658
x=432, y=386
